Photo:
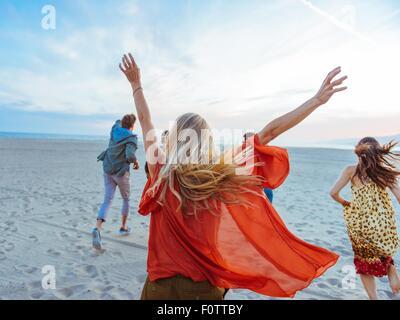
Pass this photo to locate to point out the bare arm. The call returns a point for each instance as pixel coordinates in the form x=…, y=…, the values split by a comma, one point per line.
x=132, y=73
x=396, y=191
x=340, y=184
x=291, y=119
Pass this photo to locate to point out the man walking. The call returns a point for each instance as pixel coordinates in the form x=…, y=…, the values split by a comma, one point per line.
x=121, y=152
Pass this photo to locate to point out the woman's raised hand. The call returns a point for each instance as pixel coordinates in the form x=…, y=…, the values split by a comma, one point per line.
x=330, y=86
x=131, y=70
x=284, y=123
x=132, y=73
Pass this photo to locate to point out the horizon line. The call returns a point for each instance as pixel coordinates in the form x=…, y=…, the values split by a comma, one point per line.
x=93, y=137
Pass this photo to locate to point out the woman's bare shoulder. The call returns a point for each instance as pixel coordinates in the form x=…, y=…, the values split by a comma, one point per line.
x=350, y=170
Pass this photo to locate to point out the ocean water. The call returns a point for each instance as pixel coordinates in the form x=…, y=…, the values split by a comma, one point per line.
x=50, y=136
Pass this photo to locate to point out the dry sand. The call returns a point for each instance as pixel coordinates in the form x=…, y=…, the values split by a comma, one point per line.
x=50, y=191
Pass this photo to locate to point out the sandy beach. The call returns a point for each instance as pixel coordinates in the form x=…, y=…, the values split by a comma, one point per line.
x=50, y=191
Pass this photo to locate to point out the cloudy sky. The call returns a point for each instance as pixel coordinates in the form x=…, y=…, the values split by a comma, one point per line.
x=238, y=63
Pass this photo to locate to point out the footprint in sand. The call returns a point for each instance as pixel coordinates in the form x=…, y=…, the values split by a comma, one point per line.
x=64, y=293
x=92, y=271
x=26, y=269
x=80, y=250
x=26, y=205
x=105, y=278
x=333, y=282
x=35, y=285
x=121, y=294
x=68, y=292
x=302, y=224
x=64, y=235
x=36, y=295
x=53, y=253
x=89, y=270
x=9, y=246
x=33, y=238
x=2, y=256
x=117, y=254
x=79, y=247
x=322, y=285
x=66, y=212
x=107, y=296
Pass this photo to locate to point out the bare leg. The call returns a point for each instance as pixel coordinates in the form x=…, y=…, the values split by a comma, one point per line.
x=394, y=279
x=123, y=221
x=370, y=286
x=99, y=224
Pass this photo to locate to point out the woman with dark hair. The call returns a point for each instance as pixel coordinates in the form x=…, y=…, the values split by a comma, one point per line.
x=370, y=216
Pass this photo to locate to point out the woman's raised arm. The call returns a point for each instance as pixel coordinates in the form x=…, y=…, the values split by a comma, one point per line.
x=284, y=123
x=344, y=179
x=132, y=73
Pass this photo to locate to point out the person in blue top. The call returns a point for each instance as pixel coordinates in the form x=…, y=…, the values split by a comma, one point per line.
x=118, y=157
x=268, y=192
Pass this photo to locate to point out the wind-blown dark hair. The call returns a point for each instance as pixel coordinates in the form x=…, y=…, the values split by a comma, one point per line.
x=377, y=163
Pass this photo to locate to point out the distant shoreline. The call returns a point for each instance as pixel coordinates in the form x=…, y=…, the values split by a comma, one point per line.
x=50, y=136
x=93, y=138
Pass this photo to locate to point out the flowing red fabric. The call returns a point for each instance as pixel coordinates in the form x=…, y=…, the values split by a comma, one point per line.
x=244, y=246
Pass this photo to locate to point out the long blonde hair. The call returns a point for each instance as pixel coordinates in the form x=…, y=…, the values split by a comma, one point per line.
x=194, y=164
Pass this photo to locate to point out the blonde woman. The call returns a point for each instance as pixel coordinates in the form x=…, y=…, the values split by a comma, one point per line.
x=213, y=229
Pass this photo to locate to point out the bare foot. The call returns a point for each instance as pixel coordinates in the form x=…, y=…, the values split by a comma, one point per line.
x=394, y=280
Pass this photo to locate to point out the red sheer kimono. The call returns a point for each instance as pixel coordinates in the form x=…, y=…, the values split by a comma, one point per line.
x=245, y=246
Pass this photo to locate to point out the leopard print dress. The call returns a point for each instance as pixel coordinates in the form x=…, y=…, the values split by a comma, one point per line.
x=371, y=225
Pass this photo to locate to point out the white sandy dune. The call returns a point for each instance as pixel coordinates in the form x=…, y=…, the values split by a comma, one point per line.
x=50, y=191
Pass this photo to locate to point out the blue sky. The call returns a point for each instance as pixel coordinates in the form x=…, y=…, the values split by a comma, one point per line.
x=238, y=63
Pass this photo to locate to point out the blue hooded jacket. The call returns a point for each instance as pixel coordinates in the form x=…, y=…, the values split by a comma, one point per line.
x=121, y=151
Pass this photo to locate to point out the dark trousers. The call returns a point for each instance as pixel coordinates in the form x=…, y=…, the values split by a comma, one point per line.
x=181, y=288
